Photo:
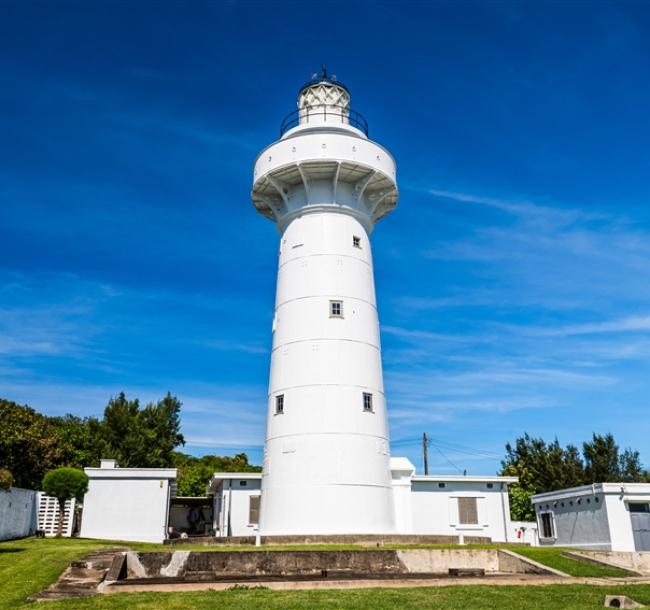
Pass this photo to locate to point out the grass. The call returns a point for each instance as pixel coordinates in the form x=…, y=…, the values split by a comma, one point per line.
x=28, y=566
x=31, y=564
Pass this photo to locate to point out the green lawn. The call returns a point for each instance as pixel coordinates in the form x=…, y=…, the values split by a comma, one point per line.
x=27, y=566
x=553, y=558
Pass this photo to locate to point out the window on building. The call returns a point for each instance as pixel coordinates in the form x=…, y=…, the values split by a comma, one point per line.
x=546, y=525
x=242, y=483
x=336, y=309
x=279, y=404
x=639, y=508
x=468, y=511
x=254, y=510
x=356, y=241
x=442, y=485
x=490, y=485
x=367, y=401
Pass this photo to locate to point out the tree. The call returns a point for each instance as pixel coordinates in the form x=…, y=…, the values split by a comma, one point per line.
x=162, y=424
x=80, y=440
x=194, y=473
x=543, y=467
x=602, y=462
x=630, y=467
x=6, y=479
x=141, y=438
x=521, y=508
x=29, y=444
x=65, y=484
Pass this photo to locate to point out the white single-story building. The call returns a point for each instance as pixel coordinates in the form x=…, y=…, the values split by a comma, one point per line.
x=140, y=504
x=602, y=516
x=127, y=503
x=426, y=505
x=236, y=502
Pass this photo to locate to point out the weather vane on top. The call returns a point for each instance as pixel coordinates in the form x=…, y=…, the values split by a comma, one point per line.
x=323, y=74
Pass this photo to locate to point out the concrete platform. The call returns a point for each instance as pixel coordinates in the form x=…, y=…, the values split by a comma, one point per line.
x=637, y=562
x=218, y=565
x=353, y=583
x=357, y=539
x=117, y=570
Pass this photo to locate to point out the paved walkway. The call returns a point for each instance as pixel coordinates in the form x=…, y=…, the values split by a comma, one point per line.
x=283, y=585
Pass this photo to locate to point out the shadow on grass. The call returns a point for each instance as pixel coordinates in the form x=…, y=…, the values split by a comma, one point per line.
x=11, y=550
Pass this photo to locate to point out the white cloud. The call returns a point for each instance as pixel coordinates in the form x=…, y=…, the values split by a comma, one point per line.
x=630, y=324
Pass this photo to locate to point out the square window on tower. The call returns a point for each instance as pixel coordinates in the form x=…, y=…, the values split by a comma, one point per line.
x=279, y=404
x=356, y=241
x=336, y=309
x=367, y=402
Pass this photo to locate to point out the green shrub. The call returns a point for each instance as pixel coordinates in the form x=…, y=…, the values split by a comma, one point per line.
x=64, y=484
x=6, y=479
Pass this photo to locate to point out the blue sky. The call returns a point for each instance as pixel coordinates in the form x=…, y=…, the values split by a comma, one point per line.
x=513, y=279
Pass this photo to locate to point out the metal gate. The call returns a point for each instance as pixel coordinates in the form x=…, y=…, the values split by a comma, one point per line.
x=640, y=516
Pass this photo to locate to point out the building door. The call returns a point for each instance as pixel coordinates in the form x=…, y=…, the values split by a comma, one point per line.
x=640, y=516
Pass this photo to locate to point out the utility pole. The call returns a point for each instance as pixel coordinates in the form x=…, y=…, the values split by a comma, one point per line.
x=425, y=451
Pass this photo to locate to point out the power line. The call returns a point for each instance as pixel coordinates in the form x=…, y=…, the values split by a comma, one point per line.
x=405, y=442
x=446, y=458
x=467, y=450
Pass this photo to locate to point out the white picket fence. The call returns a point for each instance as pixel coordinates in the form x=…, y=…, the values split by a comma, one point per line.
x=48, y=515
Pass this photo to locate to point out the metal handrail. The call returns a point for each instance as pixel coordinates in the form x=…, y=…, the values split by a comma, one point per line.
x=346, y=115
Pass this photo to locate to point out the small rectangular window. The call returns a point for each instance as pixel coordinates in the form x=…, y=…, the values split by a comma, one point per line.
x=254, y=510
x=546, y=525
x=367, y=401
x=356, y=241
x=279, y=404
x=467, y=511
x=336, y=309
x=242, y=483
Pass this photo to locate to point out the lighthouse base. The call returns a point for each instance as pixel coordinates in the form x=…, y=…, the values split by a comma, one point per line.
x=327, y=510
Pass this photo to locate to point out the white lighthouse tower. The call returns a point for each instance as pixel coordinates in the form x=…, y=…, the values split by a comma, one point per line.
x=326, y=454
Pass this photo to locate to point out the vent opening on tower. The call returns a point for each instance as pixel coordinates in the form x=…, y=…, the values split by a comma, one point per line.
x=356, y=241
x=367, y=402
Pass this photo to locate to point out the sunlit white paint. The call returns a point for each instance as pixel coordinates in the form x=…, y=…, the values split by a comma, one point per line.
x=127, y=503
x=326, y=461
x=421, y=504
x=592, y=517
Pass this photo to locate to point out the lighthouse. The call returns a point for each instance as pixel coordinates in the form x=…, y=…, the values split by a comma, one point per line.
x=325, y=185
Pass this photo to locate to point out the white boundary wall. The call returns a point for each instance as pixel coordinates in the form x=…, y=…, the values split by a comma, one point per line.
x=48, y=515
x=17, y=513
